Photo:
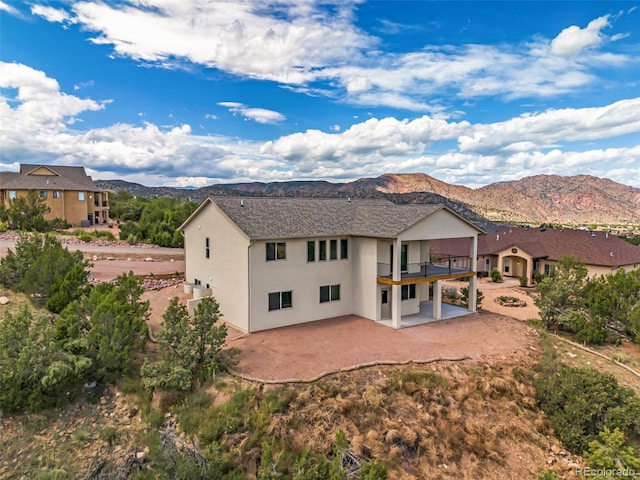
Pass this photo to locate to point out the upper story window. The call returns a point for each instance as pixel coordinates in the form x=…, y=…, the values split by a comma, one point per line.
x=276, y=251
x=81, y=196
x=13, y=194
x=207, y=249
x=333, y=249
x=344, y=248
x=322, y=250
x=43, y=194
x=56, y=194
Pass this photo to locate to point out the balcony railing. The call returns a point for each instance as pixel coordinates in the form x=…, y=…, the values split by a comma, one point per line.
x=446, y=265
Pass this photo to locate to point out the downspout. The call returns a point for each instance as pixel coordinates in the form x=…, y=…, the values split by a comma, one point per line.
x=251, y=242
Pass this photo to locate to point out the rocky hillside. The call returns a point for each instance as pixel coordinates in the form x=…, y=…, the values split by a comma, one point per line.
x=579, y=199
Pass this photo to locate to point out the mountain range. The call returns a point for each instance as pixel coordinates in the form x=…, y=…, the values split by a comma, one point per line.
x=577, y=200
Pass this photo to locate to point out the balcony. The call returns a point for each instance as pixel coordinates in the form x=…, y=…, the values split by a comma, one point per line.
x=443, y=268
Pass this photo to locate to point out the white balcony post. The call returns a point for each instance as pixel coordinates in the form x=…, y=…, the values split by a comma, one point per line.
x=396, y=298
x=437, y=300
x=473, y=253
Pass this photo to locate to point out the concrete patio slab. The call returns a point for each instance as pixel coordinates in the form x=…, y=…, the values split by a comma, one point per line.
x=307, y=350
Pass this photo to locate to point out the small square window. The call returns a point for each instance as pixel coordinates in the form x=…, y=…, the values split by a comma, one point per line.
x=81, y=196
x=278, y=300
x=13, y=194
x=276, y=251
x=56, y=194
x=43, y=194
x=408, y=291
x=329, y=293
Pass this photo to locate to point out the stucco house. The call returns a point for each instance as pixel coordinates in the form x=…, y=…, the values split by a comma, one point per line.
x=68, y=191
x=521, y=252
x=273, y=262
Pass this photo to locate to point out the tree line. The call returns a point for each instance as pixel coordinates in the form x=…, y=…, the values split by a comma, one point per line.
x=88, y=332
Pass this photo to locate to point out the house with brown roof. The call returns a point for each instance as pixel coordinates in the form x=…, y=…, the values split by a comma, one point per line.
x=68, y=191
x=521, y=251
x=273, y=262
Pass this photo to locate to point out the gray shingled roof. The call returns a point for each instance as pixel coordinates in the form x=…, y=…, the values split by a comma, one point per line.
x=67, y=178
x=273, y=218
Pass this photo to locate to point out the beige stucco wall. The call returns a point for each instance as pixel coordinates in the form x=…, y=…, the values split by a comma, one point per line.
x=303, y=279
x=440, y=224
x=520, y=263
x=226, y=270
x=364, y=272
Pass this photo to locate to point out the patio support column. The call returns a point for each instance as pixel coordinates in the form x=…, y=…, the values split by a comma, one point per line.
x=437, y=300
x=396, y=297
x=473, y=295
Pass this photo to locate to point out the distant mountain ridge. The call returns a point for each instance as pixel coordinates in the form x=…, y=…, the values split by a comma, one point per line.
x=580, y=199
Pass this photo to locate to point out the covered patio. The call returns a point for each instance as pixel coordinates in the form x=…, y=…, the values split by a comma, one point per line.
x=447, y=311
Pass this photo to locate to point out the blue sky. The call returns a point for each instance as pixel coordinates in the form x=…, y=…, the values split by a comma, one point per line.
x=196, y=92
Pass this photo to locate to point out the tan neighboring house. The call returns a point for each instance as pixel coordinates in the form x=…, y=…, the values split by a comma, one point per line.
x=521, y=252
x=69, y=192
x=274, y=262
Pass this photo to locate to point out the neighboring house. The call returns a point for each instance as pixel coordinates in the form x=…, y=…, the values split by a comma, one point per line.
x=69, y=192
x=273, y=262
x=521, y=252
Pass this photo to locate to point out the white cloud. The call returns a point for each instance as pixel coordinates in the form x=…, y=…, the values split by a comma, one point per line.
x=248, y=38
x=542, y=130
x=573, y=40
x=38, y=117
x=51, y=14
x=260, y=115
x=319, y=50
x=4, y=7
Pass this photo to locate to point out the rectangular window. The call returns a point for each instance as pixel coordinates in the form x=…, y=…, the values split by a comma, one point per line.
x=311, y=251
x=404, y=257
x=547, y=269
x=81, y=196
x=43, y=194
x=278, y=300
x=333, y=249
x=207, y=250
x=13, y=194
x=274, y=301
x=408, y=291
x=329, y=293
x=506, y=265
x=344, y=248
x=276, y=251
x=335, y=292
x=322, y=247
x=56, y=194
